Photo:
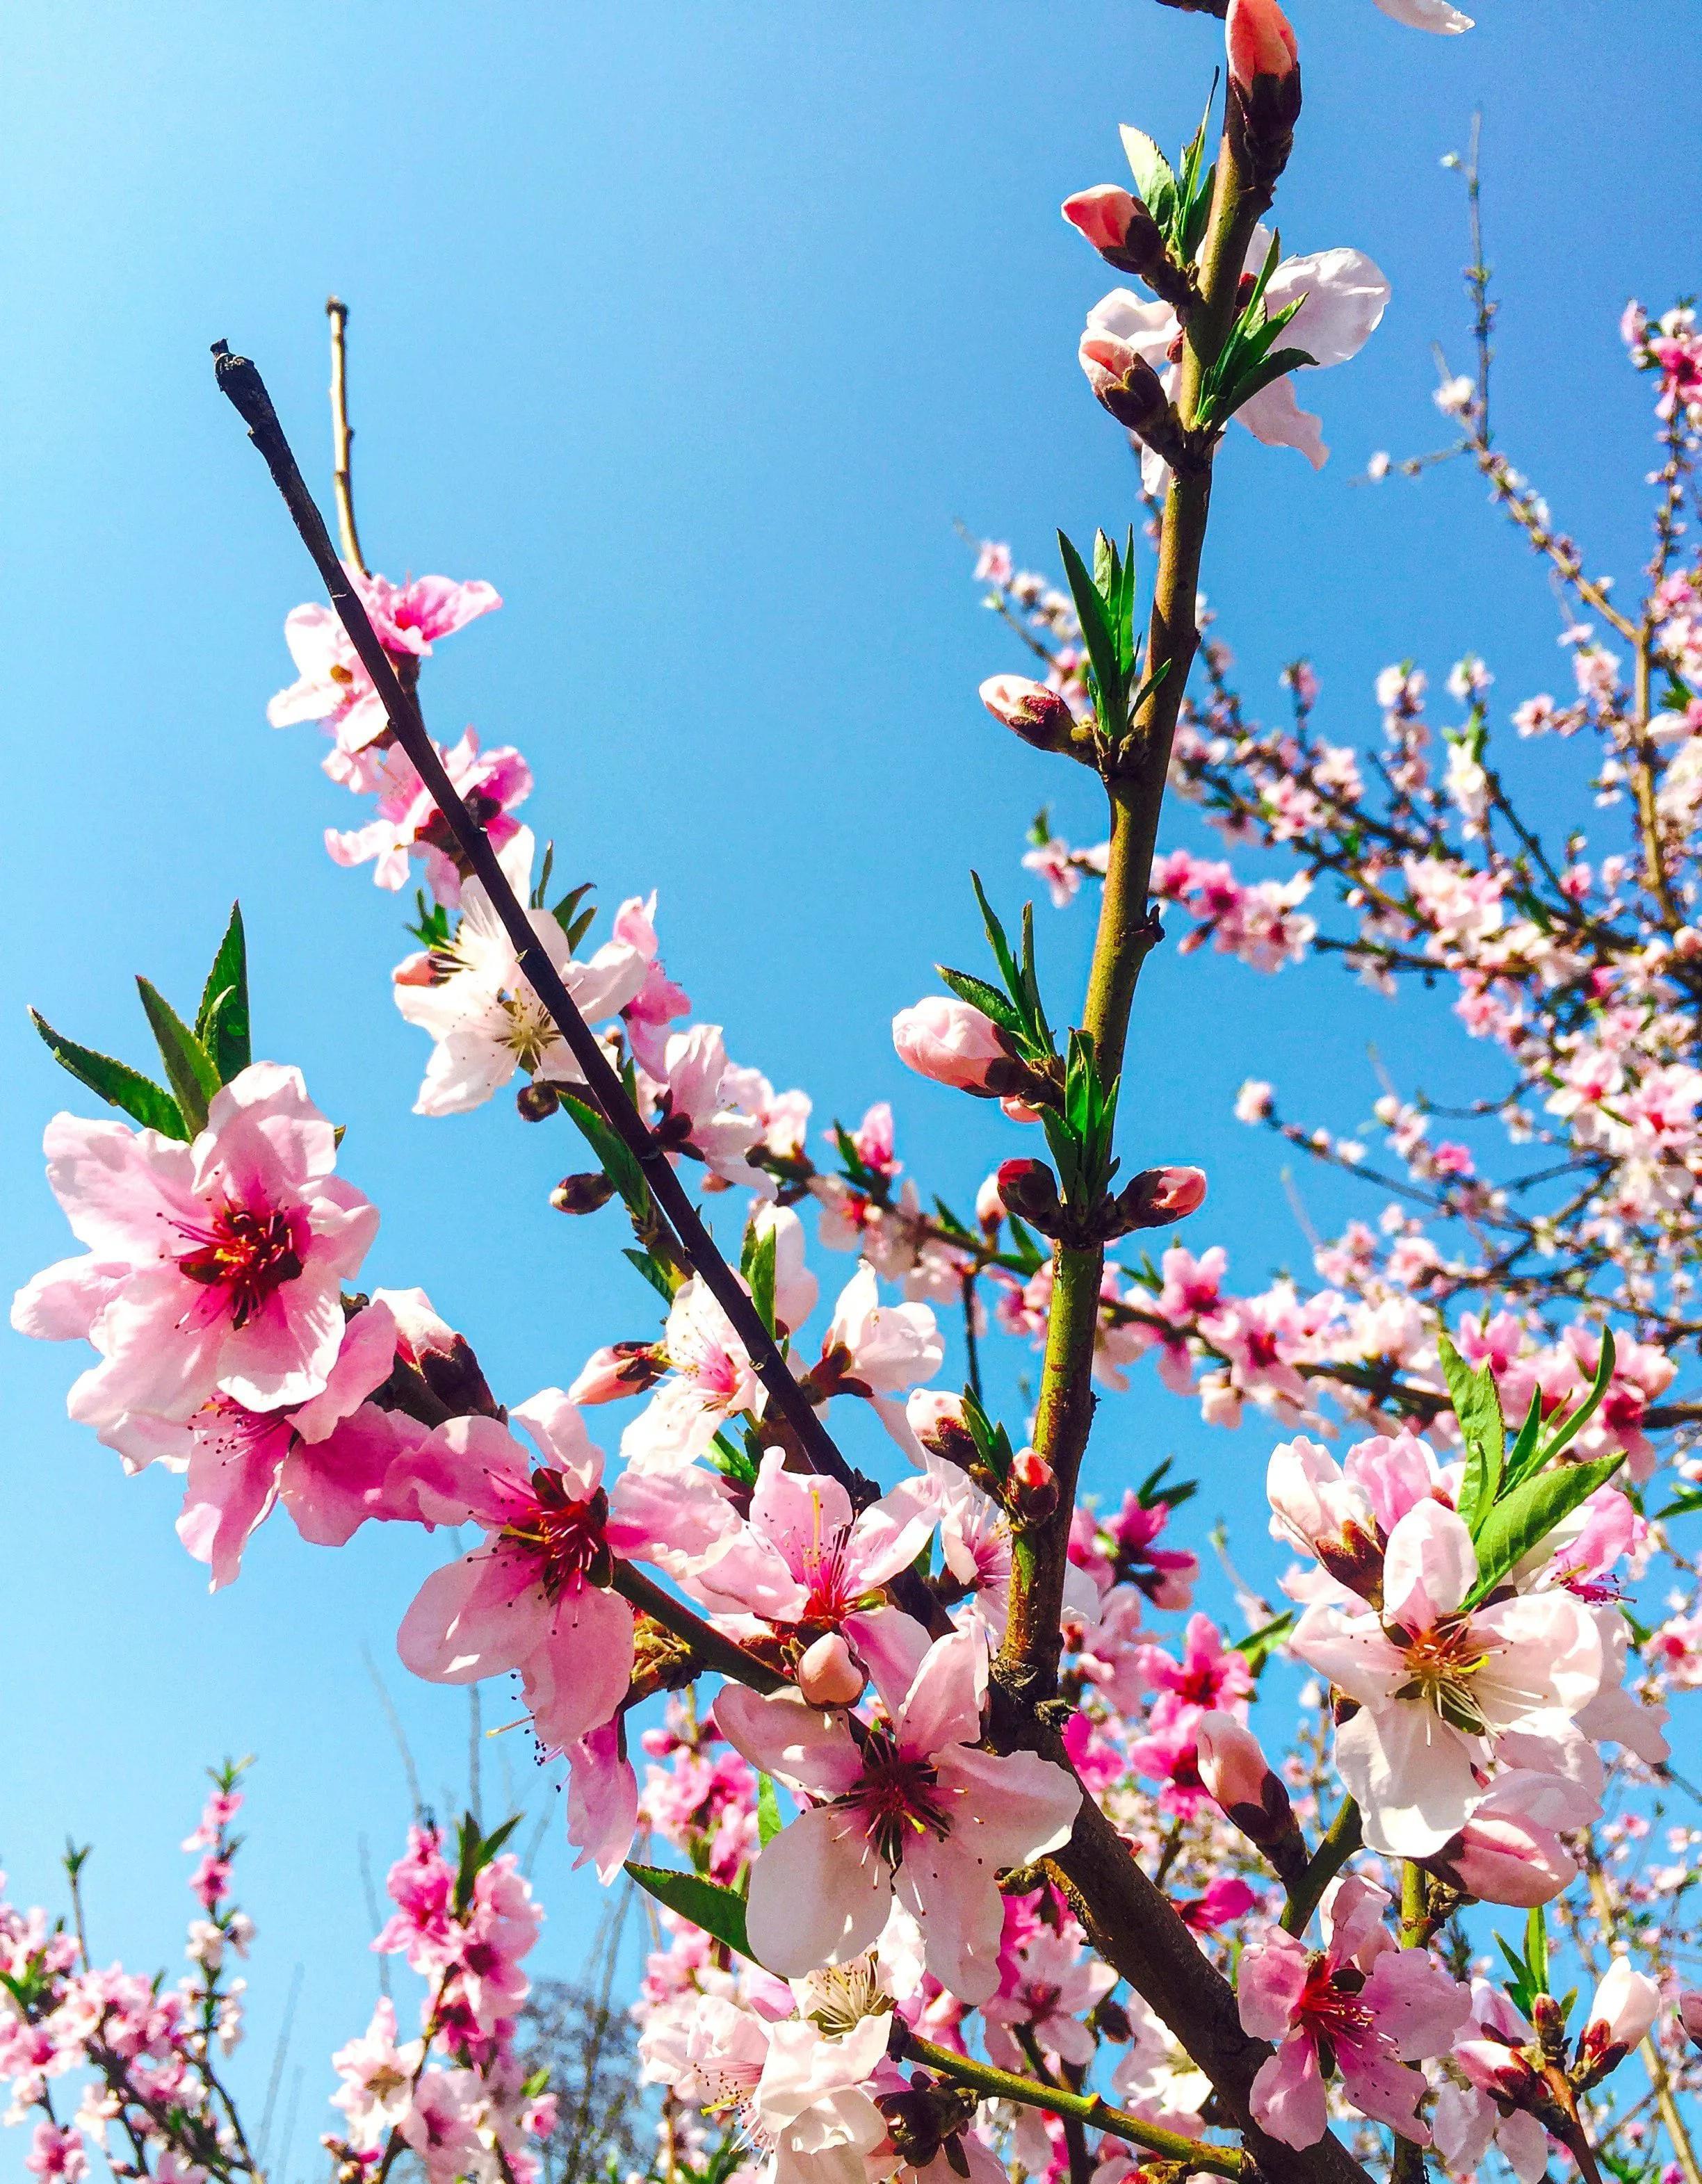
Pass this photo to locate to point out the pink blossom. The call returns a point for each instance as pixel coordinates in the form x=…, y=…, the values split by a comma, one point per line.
x=1360, y=2001
x=214, y=1269
x=1048, y=1988
x=1210, y=1677
x=332, y=686
x=659, y=1001
x=915, y=1809
x=1261, y=42
x=698, y=1114
x=1437, y=1686
x=945, y=1039
x=409, y=825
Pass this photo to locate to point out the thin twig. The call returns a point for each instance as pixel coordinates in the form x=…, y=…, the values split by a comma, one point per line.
x=341, y=433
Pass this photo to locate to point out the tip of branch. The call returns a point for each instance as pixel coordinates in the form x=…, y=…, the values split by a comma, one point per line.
x=335, y=308
x=241, y=383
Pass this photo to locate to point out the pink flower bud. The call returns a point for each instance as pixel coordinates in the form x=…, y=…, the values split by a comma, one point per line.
x=945, y=1039
x=1499, y=1859
x=1124, y=383
x=1690, y=2017
x=1029, y=1190
x=1231, y=1764
x=1032, y=1486
x=1626, y=2006
x=1176, y=1192
x=1015, y=1110
x=618, y=1370
x=937, y=1421
x=436, y=1375
x=1261, y=42
x=1506, y=2072
x=1104, y=215
x=989, y=1208
x=1039, y=716
x=828, y=1676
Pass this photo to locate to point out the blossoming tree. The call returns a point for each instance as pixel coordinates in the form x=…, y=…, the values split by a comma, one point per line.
x=972, y=1858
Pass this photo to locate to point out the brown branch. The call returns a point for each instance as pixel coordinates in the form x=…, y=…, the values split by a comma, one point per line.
x=341, y=433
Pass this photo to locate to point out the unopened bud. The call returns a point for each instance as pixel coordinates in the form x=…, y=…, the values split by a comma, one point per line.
x=1690, y=2017
x=828, y=1676
x=537, y=1102
x=1240, y=1781
x=1507, y=2073
x=1118, y=226
x=616, y=1370
x=1039, y=716
x=1155, y=1198
x=1127, y=385
x=989, y=1208
x=945, y=1039
x=1029, y=1190
x=581, y=1194
x=1501, y=1859
x=1264, y=90
x=1548, y=2022
x=1626, y=2006
x=938, y=1422
x=436, y=1376
x=1031, y=1486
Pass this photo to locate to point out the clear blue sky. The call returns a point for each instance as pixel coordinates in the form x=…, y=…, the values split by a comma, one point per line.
x=694, y=330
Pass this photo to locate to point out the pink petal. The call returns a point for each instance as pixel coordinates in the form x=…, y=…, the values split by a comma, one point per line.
x=477, y=1617
x=812, y=1750
x=1288, y=2096
x=820, y=1894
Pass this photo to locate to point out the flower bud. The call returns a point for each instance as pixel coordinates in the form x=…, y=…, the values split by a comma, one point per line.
x=537, y=1102
x=1500, y=1859
x=1127, y=385
x=1039, y=716
x=1157, y=1197
x=1690, y=2017
x=1548, y=2021
x=616, y=1370
x=1241, y=1783
x=1031, y=1487
x=945, y=1040
x=1118, y=226
x=1261, y=42
x=828, y=1676
x=989, y=1208
x=1625, y=2005
x=1029, y=1190
x=581, y=1194
x=938, y=1422
x=1507, y=2073
x=436, y=1375
x=1265, y=90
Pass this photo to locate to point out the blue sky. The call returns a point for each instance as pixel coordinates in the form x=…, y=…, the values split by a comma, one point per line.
x=696, y=334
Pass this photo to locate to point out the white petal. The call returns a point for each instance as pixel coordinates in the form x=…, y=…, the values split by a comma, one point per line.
x=1344, y=296
x=1427, y=15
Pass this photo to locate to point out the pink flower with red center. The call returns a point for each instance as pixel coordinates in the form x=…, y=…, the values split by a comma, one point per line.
x=214, y=1269
x=536, y=1596
x=1210, y=1678
x=409, y=825
x=1360, y=2005
x=914, y=1809
x=1047, y=1990
x=331, y=685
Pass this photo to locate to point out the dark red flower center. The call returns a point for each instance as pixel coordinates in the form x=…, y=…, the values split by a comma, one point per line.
x=898, y=1799
x=247, y=1255
x=566, y=1536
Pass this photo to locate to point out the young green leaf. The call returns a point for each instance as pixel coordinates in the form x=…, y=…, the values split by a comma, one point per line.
x=653, y=1271
x=189, y=1068
x=759, y=1272
x=1580, y=1419
x=1521, y=1520
x=613, y=1156
x=718, y=1911
x=1523, y=1457
x=116, y=1082
x=997, y=941
x=1100, y=638
x=986, y=998
x=769, y=1820
x=1478, y=1408
x=1155, y=179
x=1259, y=1645
x=221, y=1022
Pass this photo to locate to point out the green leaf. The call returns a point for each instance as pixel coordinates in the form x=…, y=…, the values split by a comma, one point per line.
x=1687, y=1505
x=1259, y=1645
x=1592, y=1403
x=769, y=1820
x=616, y=1160
x=1478, y=1408
x=116, y=1082
x=221, y=1022
x=998, y=942
x=1521, y=1520
x=986, y=998
x=1522, y=1457
x=476, y=1852
x=653, y=1271
x=1536, y=1948
x=1027, y=1253
x=718, y=1911
x=1099, y=638
x=1262, y=374
x=189, y=1068
x=758, y=1270
x=1155, y=179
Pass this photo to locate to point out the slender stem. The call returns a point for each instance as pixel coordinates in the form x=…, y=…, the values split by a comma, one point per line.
x=1087, y=2108
x=711, y=1647
x=1342, y=1838
x=341, y=433
x=242, y=383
